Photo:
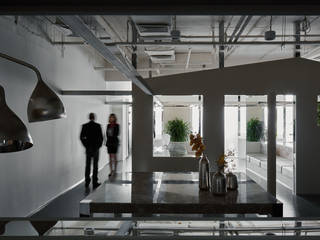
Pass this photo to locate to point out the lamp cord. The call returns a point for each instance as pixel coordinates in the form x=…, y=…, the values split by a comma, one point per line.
x=21, y=62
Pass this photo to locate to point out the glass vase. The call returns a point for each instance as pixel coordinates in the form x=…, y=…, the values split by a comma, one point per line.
x=204, y=177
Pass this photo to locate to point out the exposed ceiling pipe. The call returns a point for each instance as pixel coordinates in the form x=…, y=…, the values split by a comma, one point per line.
x=79, y=28
x=76, y=42
x=210, y=43
x=227, y=36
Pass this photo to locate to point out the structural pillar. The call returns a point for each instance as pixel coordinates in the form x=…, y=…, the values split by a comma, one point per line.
x=221, y=47
x=271, y=165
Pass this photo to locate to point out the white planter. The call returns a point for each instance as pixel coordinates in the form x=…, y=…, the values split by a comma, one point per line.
x=177, y=149
x=253, y=147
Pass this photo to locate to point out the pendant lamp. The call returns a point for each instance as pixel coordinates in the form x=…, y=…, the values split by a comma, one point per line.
x=14, y=135
x=44, y=104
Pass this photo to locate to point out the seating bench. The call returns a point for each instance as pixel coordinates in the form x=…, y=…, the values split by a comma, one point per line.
x=257, y=165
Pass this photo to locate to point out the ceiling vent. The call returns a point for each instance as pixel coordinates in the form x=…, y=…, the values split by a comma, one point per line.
x=162, y=58
x=161, y=55
x=146, y=29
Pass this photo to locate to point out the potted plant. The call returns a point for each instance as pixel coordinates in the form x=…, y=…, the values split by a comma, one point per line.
x=179, y=132
x=254, y=134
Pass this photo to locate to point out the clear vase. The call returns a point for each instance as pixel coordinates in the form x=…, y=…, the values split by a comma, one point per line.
x=204, y=176
x=232, y=181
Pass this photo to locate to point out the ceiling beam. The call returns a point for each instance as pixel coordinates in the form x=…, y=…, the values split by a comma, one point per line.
x=78, y=27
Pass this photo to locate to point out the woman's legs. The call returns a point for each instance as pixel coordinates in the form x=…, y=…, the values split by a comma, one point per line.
x=115, y=162
x=110, y=164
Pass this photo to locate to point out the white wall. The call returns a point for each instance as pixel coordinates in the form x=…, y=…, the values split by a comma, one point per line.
x=30, y=178
x=171, y=113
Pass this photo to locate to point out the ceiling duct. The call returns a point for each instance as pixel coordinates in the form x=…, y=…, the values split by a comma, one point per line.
x=160, y=29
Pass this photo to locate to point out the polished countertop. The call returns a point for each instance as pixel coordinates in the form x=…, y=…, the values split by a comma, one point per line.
x=164, y=192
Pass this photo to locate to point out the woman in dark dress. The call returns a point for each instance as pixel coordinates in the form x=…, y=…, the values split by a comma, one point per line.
x=112, y=142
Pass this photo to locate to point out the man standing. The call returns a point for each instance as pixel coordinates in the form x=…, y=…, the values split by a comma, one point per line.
x=91, y=138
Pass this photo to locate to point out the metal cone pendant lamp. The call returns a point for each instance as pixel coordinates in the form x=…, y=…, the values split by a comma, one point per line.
x=14, y=135
x=44, y=103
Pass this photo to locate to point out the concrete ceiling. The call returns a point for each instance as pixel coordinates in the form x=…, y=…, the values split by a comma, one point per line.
x=206, y=56
x=111, y=29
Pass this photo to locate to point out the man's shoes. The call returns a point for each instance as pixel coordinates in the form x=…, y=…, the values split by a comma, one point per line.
x=95, y=185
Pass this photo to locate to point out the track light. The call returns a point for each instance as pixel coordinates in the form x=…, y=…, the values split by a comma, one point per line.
x=14, y=135
x=44, y=104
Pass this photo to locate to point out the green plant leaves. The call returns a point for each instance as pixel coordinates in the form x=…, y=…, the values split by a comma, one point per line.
x=178, y=130
x=254, y=130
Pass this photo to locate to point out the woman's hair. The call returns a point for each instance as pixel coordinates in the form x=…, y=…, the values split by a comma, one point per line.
x=114, y=116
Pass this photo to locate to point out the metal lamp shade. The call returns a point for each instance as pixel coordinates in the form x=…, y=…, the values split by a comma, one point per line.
x=44, y=104
x=14, y=135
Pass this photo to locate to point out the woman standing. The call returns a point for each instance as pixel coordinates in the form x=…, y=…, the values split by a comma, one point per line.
x=112, y=142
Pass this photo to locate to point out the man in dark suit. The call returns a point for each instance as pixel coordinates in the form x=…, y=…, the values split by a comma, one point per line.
x=91, y=138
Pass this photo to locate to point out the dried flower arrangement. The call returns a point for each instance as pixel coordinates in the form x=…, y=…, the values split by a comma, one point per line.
x=197, y=144
x=226, y=161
